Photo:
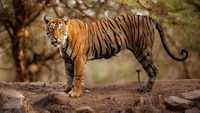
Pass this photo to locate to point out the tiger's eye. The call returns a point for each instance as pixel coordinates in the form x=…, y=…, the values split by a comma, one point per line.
x=52, y=26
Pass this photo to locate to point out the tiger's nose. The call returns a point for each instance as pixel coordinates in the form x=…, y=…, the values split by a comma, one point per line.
x=53, y=40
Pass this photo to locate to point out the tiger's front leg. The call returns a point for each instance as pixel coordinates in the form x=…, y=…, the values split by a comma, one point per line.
x=70, y=75
x=79, y=71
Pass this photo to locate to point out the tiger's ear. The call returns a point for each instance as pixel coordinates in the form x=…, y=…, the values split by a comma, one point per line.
x=46, y=18
x=65, y=19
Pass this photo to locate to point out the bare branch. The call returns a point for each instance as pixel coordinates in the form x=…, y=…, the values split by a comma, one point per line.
x=1, y=3
x=124, y=7
x=8, y=26
x=147, y=4
x=101, y=8
x=35, y=15
x=82, y=13
x=49, y=57
x=54, y=5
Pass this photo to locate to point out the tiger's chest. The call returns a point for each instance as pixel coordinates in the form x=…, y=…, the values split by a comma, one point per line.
x=66, y=52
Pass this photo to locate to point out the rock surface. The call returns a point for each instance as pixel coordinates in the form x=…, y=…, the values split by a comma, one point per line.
x=188, y=102
x=85, y=109
x=175, y=102
x=193, y=110
x=191, y=95
x=102, y=98
x=60, y=98
x=10, y=99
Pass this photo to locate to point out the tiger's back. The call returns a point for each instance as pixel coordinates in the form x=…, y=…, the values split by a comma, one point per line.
x=109, y=36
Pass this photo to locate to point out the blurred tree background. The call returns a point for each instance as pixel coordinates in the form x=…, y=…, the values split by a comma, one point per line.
x=26, y=54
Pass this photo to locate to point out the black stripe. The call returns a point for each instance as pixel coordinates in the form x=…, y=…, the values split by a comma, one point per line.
x=91, y=38
x=107, y=38
x=65, y=48
x=105, y=32
x=120, y=39
x=124, y=30
x=143, y=57
x=138, y=26
x=89, y=41
x=135, y=33
x=99, y=39
x=79, y=24
x=93, y=41
x=131, y=29
x=116, y=22
x=145, y=33
x=138, y=46
x=141, y=43
x=148, y=65
x=112, y=50
x=115, y=37
x=105, y=23
x=95, y=48
x=77, y=52
x=124, y=19
x=125, y=38
x=95, y=53
x=130, y=26
x=110, y=23
x=107, y=45
x=151, y=32
x=84, y=25
x=111, y=27
x=138, y=37
x=107, y=55
x=76, y=85
x=99, y=46
x=102, y=36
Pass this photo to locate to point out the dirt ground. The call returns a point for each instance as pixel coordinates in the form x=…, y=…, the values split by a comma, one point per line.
x=105, y=98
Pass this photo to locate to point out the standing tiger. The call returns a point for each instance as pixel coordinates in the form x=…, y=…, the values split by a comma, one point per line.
x=79, y=42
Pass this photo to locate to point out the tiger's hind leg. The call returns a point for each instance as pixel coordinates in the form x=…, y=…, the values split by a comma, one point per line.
x=146, y=60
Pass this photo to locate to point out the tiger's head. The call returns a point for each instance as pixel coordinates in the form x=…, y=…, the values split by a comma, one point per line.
x=56, y=30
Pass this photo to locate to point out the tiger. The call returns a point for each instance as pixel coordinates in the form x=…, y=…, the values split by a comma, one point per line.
x=79, y=42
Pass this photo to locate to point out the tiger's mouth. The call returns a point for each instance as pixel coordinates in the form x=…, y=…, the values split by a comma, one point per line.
x=55, y=43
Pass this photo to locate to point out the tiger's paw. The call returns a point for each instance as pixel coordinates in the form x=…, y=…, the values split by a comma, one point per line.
x=68, y=89
x=144, y=89
x=75, y=92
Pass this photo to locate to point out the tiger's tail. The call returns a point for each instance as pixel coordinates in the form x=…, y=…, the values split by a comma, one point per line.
x=183, y=52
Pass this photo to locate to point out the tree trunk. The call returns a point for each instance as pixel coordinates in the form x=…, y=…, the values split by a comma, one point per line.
x=18, y=40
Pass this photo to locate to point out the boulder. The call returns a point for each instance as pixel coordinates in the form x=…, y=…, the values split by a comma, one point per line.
x=60, y=98
x=177, y=103
x=85, y=109
x=10, y=99
x=193, y=110
x=192, y=95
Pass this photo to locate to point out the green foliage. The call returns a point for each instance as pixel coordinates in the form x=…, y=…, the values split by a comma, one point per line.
x=178, y=12
x=130, y=2
x=184, y=17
